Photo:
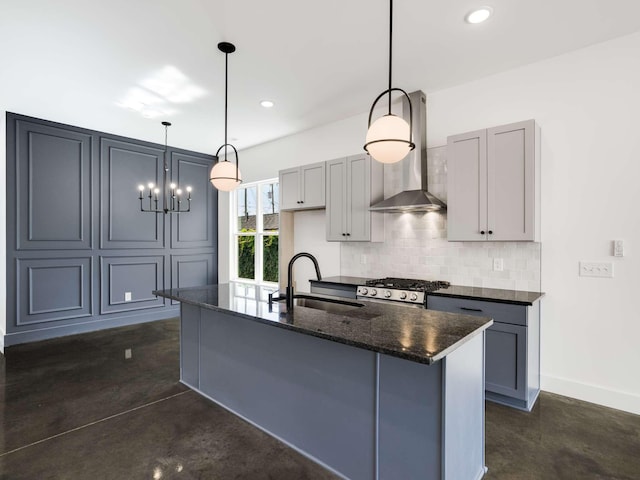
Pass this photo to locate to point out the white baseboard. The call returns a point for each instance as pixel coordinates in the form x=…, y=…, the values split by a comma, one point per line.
x=626, y=401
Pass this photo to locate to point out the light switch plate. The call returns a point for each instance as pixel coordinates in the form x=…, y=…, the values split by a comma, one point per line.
x=127, y=296
x=596, y=269
x=618, y=248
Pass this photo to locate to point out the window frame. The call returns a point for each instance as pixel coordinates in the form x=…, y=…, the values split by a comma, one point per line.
x=258, y=235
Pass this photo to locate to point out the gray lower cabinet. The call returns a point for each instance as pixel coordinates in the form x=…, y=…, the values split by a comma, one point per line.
x=302, y=188
x=353, y=184
x=512, y=368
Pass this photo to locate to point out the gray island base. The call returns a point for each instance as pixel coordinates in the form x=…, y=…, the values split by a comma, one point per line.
x=383, y=392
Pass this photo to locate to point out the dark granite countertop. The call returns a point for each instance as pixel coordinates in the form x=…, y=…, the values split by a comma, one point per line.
x=415, y=334
x=343, y=280
x=514, y=297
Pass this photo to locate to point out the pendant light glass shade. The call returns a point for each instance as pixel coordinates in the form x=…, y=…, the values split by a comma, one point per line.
x=223, y=176
x=389, y=138
x=380, y=143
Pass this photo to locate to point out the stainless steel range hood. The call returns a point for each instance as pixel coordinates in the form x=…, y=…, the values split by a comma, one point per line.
x=414, y=197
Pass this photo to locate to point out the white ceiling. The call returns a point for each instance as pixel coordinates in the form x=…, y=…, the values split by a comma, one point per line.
x=72, y=61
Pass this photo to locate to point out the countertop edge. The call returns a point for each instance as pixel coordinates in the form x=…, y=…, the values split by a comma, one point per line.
x=462, y=341
x=485, y=299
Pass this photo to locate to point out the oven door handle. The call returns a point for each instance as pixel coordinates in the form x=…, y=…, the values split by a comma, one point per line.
x=471, y=309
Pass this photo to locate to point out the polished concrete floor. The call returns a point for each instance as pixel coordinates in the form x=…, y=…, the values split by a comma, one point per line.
x=76, y=408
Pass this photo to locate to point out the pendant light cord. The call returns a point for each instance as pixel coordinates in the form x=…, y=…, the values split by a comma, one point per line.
x=226, y=88
x=390, y=47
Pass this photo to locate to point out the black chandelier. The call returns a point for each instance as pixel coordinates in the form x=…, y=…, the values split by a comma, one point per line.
x=389, y=138
x=172, y=196
x=225, y=175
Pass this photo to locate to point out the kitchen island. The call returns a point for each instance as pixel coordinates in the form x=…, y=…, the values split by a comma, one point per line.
x=373, y=391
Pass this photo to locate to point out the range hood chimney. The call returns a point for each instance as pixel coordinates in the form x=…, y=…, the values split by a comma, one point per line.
x=414, y=197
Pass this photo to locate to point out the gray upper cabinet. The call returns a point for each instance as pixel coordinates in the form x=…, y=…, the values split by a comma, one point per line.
x=303, y=187
x=353, y=184
x=494, y=184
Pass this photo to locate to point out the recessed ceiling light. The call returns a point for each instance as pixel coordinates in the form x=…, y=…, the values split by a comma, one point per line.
x=267, y=103
x=479, y=15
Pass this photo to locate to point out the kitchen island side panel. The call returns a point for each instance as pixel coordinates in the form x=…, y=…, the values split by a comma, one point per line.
x=463, y=411
x=317, y=395
x=190, y=345
x=410, y=421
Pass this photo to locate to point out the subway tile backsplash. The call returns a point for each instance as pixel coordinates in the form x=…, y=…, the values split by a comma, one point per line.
x=416, y=245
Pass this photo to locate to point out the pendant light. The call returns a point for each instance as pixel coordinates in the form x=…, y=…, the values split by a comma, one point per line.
x=389, y=138
x=172, y=195
x=225, y=175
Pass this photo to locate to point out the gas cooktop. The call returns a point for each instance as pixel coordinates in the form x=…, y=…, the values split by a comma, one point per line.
x=408, y=284
x=403, y=290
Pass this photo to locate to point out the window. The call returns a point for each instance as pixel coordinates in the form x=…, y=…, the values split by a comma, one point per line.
x=256, y=214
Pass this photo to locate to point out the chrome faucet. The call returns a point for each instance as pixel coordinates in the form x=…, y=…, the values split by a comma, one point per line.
x=290, y=279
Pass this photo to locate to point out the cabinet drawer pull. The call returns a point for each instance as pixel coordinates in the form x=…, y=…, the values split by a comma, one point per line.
x=490, y=232
x=471, y=309
x=348, y=234
x=481, y=232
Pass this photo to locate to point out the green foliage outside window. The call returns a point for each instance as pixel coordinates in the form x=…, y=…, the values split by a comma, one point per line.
x=270, y=252
x=247, y=255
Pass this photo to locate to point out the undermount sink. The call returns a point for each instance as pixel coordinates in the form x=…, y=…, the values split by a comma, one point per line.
x=326, y=304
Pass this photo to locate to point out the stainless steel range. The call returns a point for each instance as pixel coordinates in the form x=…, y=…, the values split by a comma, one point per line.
x=404, y=290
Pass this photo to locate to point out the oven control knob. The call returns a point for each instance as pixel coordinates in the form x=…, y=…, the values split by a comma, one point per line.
x=403, y=295
x=364, y=291
x=374, y=292
x=387, y=294
x=414, y=297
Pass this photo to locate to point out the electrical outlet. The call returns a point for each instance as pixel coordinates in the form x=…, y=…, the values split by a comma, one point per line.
x=127, y=296
x=596, y=269
x=363, y=259
x=498, y=265
x=618, y=248
x=127, y=354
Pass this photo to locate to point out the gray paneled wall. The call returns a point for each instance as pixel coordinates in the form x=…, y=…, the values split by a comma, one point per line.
x=78, y=245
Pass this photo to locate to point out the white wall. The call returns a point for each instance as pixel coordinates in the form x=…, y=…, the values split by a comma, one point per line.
x=586, y=103
x=3, y=228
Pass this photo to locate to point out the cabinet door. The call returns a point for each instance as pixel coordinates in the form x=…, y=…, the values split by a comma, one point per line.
x=511, y=181
x=336, y=200
x=467, y=186
x=289, y=189
x=506, y=360
x=313, y=185
x=358, y=198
